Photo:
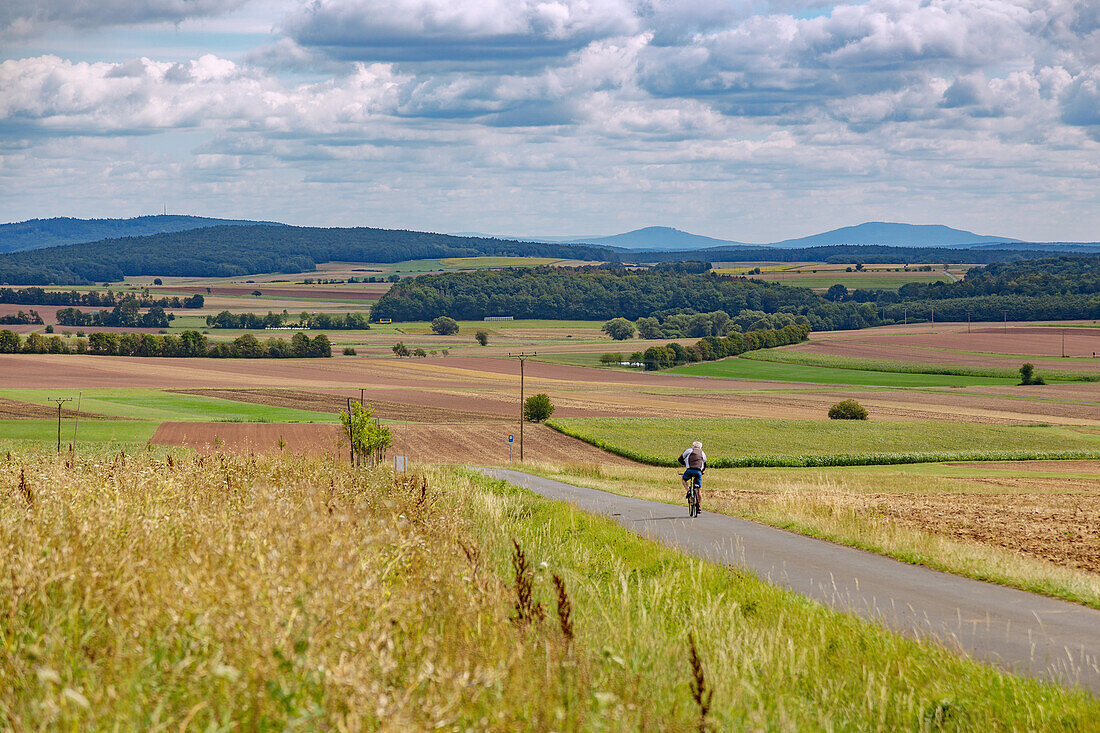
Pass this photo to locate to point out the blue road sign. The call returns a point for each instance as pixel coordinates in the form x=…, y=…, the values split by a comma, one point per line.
x=511, y=438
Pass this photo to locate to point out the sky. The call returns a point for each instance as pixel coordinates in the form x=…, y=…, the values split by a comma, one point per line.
x=750, y=120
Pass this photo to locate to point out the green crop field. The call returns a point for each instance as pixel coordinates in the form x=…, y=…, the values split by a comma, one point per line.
x=750, y=442
x=14, y=433
x=830, y=361
x=157, y=405
x=750, y=368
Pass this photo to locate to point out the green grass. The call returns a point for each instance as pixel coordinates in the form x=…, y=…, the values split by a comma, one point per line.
x=151, y=404
x=748, y=442
x=753, y=368
x=908, y=367
x=777, y=661
x=15, y=433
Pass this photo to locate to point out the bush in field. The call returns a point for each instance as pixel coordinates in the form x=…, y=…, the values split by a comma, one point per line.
x=537, y=408
x=349, y=351
x=482, y=337
x=445, y=326
x=1028, y=376
x=400, y=350
x=619, y=329
x=611, y=357
x=847, y=410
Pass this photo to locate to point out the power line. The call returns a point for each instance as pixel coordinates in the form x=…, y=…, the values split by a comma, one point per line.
x=523, y=357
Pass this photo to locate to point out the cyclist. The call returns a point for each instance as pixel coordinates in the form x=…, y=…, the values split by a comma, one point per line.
x=694, y=460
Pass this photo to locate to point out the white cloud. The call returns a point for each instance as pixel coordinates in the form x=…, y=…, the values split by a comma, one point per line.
x=30, y=17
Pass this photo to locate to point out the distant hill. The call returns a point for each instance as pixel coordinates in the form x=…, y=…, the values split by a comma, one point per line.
x=39, y=233
x=895, y=235
x=656, y=238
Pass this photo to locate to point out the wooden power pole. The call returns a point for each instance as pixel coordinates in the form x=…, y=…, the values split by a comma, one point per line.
x=523, y=357
x=59, y=401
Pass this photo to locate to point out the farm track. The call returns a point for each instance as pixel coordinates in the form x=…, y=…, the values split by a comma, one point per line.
x=1016, y=630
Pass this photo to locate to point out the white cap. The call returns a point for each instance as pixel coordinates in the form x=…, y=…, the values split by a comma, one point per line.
x=697, y=444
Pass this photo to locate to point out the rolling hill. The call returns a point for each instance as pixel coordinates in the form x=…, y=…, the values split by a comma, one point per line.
x=40, y=233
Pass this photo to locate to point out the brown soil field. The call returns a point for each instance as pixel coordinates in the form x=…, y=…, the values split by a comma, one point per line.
x=1062, y=528
x=368, y=292
x=480, y=444
x=17, y=410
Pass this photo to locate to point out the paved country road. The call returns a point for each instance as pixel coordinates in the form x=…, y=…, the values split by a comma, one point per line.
x=1018, y=631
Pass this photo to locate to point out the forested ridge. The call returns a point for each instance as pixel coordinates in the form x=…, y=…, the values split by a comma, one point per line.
x=1059, y=288
x=228, y=251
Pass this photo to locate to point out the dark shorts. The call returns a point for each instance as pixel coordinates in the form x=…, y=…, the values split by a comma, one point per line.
x=696, y=474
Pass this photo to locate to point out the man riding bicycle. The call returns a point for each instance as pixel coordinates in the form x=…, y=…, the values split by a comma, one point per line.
x=694, y=460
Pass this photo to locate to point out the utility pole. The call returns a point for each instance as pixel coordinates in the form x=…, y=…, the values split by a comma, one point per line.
x=1006, y=322
x=1063, y=343
x=905, y=314
x=59, y=401
x=523, y=357
x=933, y=318
x=968, y=321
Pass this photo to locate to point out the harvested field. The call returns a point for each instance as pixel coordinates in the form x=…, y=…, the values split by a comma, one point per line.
x=1087, y=467
x=368, y=292
x=950, y=342
x=1060, y=528
x=312, y=438
x=482, y=444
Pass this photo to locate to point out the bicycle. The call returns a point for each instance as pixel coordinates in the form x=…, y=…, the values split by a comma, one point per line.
x=693, y=499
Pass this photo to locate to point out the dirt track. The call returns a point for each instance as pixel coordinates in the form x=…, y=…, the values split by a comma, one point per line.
x=483, y=444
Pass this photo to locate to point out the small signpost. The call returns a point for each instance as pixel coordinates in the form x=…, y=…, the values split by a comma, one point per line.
x=511, y=439
x=400, y=463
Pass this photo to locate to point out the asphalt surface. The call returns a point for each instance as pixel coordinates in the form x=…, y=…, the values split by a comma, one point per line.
x=1017, y=631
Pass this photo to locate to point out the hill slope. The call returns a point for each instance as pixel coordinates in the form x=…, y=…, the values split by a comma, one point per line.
x=39, y=233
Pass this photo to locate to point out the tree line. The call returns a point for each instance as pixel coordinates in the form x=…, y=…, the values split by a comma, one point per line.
x=187, y=344
x=124, y=315
x=21, y=318
x=316, y=321
x=94, y=299
x=712, y=348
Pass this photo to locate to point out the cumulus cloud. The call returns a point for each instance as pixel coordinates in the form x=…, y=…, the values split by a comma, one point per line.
x=467, y=30
x=729, y=109
x=29, y=17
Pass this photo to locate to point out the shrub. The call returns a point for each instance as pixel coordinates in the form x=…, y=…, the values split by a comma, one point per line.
x=349, y=351
x=612, y=357
x=445, y=326
x=482, y=338
x=847, y=410
x=537, y=408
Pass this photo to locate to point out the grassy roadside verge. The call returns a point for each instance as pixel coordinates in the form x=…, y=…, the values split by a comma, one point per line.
x=277, y=591
x=760, y=443
x=820, y=510
x=911, y=367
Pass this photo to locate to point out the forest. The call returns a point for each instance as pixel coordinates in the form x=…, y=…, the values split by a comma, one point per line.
x=1051, y=288
x=601, y=293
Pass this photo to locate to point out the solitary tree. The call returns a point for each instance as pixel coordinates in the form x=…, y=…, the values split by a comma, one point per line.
x=400, y=350
x=1028, y=376
x=619, y=329
x=445, y=326
x=537, y=407
x=482, y=337
x=836, y=292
